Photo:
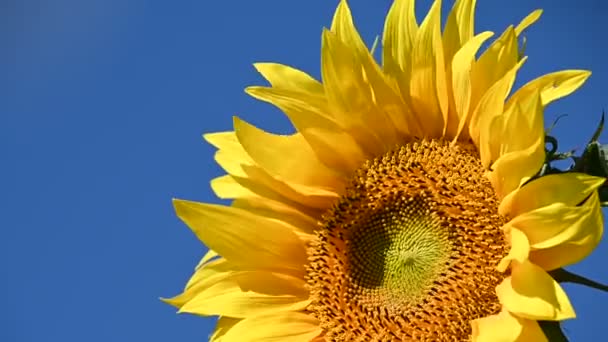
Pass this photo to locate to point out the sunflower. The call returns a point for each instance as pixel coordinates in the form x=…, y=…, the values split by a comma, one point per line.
x=408, y=203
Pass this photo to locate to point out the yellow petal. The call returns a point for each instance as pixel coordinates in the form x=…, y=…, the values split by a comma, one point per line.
x=287, y=157
x=461, y=80
x=572, y=242
x=299, y=220
x=500, y=57
x=551, y=86
x=348, y=92
x=211, y=254
x=569, y=188
x=274, y=327
x=226, y=187
x=285, y=77
x=527, y=21
x=237, y=162
x=428, y=84
x=223, y=325
x=490, y=106
x=518, y=144
x=505, y=327
x=209, y=273
x=520, y=247
x=379, y=105
x=230, y=155
x=247, y=294
x=529, y=292
x=513, y=169
x=242, y=237
x=334, y=147
x=400, y=30
x=344, y=28
x=459, y=27
x=557, y=223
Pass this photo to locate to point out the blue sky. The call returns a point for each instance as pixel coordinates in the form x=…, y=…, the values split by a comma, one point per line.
x=102, y=107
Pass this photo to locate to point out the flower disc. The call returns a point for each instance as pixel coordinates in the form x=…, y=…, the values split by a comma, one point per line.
x=410, y=250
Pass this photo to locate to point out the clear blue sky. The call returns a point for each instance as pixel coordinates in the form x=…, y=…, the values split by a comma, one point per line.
x=102, y=107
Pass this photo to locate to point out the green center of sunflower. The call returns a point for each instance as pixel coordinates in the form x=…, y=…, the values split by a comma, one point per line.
x=409, y=252
x=397, y=254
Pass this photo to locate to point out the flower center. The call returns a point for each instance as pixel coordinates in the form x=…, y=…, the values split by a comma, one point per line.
x=409, y=251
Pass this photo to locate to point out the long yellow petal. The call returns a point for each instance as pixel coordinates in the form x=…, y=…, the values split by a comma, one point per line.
x=557, y=223
x=229, y=157
x=461, y=81
x=505, y=327
x=247, y=294
x=224, y=324
x=377, y=98
x=230, y=232
x=333, y=145
x=569, y=188
x=500, y=57
x=459, y=27
x=574, y=242
x=287, y=157
x=529, y=292
x=551, y=86
x=518, y=146
x=490, y=106
x=348, y=92
x=286, y=77
x=528, y=21
x=400, y=30
x=520, y=247
x=276, y=327
x=428, y=84
x=301, y=221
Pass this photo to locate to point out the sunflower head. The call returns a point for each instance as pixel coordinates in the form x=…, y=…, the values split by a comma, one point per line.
x=408, y=204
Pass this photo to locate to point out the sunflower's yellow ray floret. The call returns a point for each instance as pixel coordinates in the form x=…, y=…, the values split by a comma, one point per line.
x=458, y=32
x=569, y=188
x=518, y=146
x=263, y=148
x=505, y=327
x=461, y=83
x=274, y=327
x=400, y=30
x=249, y=175
x=288, y=78
x=302, y=222
x=344, y=28
x=500, y=57
x=529, y=292
x=224, y=324
x=230, y=232
x=204, y=276
x=387, y=114
x=573, y=243
x=334, y=147
x=489, y=108
x=350, y=95
x=459, y=27
x=428, y=84
x=249, y=293
x=211, y=254
x=520, y=247
x=226, y=187
x=230, y=155
x=264, y=201
x=558, y=223
x=528, y=21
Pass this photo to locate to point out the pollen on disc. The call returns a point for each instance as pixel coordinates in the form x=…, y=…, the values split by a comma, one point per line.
x=409, y=252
